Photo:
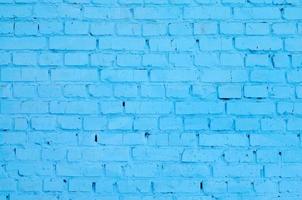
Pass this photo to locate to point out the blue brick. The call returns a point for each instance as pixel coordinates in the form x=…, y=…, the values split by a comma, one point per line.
x=74, y=75
x=293, y=44
x=102, y=28
x=180, y=28
x=207, y=28
x=207, y=12
x=154, y=29
x=72, y=43
x=69, y=122
x=125, y=90
x=53, y=185
x=6, y=27
x=73, y=107
x=145, y=123
x=257, y=13
x=76, y=28
x=170, y=123
x=28, y=91
x=29, y=43
x=250, y=108
x=128, y=29
x=284, y=28
x=247, y=124
x=26, y=28
x=50, y=27
x=120, y=123
x=25, y=59
x=157, y=13
x=11, y=11
x=255, y=91
x=234, y=28
x=258, y=43
x=74, y=91
x=7, y=184
x=50, y=59
x=145, y=107
x=196, y=107
x=257, y=28
x=43, y=123
x=76, y=59
x=229, y=92
x=122, y=43
x=154, y=60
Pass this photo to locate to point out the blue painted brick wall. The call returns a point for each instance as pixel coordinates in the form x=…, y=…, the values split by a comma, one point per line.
x=150, y=99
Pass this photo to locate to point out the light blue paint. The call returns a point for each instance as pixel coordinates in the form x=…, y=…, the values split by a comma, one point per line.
x=150, y=99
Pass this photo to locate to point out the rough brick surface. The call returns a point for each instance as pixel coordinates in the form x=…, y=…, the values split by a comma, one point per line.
x=150, y=99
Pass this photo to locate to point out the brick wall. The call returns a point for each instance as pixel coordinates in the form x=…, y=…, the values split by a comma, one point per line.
x=150, y=99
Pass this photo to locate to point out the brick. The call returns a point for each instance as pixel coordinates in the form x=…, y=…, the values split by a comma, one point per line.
x=128, y=29
x=200, y=107
x=221, y=124
x=257, y=13
x=50, y=59
x=154, y=29
x=145, y=123
x=207, y=13
x=29, y=43
x=69, y=75
x=250, y=108
x=7, y=185
x=246, y=124
x=274, y=140
x=145, y=107
x=76, y=27
x=229, y=92
x=43, y=123
x=206, y=28
x=170, y=123
x=173, y=75
x=223, y=140
x=257, y=28
x=232, y=28
x=124, y=75
x=292, y=13
x=293, y=44
x=201, y=155
x=15, y=10
x=121, y=43
x=255, y=91
x=126, y=90
x=26, y=28
x=259, y=43
x=156, y=13
x=73, y=107
x=156, y=154
x=267, y=76
x=72, y=43
x=76, y=59
x=69, y=122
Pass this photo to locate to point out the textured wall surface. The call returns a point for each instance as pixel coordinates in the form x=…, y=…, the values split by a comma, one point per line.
x=150, y=99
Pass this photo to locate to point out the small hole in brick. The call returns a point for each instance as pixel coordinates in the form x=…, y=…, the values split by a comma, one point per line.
x=48, y=143
x=124, y=104
x=280, y=153
x=201, y=185
x=96, y=138
x=147, y=134
x=64, y=180
x=93, y=186
x=197, y=40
